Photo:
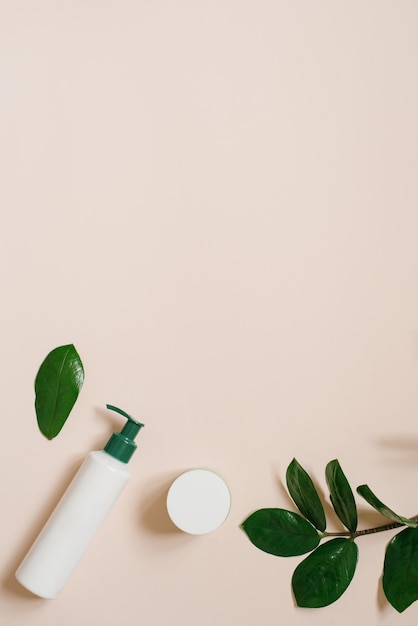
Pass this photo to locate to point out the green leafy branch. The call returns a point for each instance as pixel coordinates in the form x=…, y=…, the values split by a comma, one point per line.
x=323, y=576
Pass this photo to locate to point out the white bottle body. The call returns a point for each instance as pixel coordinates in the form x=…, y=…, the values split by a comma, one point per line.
x=73, y=524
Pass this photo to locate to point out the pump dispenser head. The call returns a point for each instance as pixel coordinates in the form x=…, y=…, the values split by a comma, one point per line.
x=122, y=445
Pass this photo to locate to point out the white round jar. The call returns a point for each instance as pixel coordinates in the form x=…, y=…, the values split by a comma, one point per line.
x=198, y=501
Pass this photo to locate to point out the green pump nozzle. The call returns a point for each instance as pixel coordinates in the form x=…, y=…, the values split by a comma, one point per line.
x=122, y=445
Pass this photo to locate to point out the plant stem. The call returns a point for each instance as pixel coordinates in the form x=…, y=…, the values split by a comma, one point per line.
x=369, y=531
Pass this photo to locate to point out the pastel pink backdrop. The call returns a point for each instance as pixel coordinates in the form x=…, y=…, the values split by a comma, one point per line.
x=216, y=202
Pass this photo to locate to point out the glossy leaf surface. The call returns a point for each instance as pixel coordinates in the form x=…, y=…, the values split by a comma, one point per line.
x=304, y=494
x=368, y=495
x=400, y=572
x=280, y=532
x=325, y=574
x=342, y=497
x=57, y=385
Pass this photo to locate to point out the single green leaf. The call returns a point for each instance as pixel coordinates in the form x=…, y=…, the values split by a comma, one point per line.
x=400, y=572
x=342, y=497
x=324, y=575
x=369, y=496
x=304, y=494
x=280, y=532
x=57, y=385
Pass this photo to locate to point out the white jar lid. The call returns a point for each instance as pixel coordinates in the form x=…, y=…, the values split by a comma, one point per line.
x=198, y=501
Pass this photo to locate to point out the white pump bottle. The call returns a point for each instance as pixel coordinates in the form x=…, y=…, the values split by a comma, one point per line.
x=79, y=514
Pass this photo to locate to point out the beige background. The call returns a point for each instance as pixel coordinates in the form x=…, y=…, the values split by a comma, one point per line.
x=216, y=202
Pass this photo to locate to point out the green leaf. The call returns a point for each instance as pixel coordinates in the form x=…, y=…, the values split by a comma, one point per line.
x=304, y=494
x=400, y=572
x=280, y=532
x=57, y=385
x=368, y=495
x=342, y=497
x=325, y=574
